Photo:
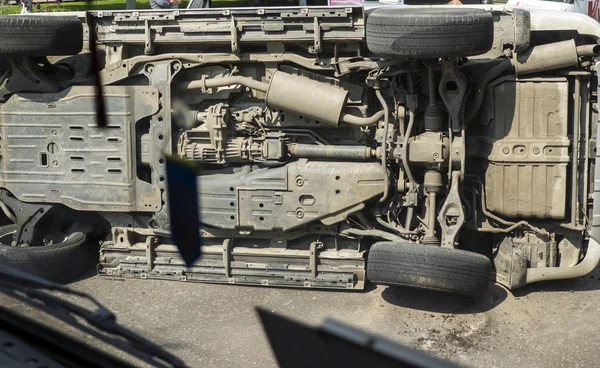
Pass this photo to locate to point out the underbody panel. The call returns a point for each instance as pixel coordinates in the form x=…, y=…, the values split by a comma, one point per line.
x=317, y=134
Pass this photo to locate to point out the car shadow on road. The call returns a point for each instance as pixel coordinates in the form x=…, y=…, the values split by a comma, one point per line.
x=438, y=302
x=433, y=301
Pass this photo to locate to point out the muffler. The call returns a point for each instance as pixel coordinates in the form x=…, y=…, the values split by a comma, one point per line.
x=307, y=97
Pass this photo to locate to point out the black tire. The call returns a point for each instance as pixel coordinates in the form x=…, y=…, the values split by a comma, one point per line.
x=428, y=267
x=60, y=262
x=429, y=33
x=40, y=35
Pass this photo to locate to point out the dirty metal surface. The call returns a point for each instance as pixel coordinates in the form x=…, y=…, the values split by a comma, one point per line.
x=54, y=152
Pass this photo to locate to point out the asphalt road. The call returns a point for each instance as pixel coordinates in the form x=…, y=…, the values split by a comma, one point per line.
x=546, y=325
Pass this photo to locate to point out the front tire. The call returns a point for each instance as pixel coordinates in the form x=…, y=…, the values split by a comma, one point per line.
x=428, y=267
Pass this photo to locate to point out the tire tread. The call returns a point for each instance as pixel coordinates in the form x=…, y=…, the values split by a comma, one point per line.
x=429, y=267
x=429, y=33
x=40, y=35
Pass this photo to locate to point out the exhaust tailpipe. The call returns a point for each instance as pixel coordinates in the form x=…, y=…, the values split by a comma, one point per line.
x=587, y=265
x=552, y=56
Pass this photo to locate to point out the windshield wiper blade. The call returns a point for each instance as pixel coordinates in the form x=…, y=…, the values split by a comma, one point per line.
x=34, y=291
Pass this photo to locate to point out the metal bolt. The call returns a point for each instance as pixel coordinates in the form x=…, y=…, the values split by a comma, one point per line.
x=505, y=150
x=150, y=69
x=55, y=163
x=52, y=147
x=299, y=181
x=54, y=132
x=177, y=66
x=436, y=155
x=536, y=151
x=299, y=213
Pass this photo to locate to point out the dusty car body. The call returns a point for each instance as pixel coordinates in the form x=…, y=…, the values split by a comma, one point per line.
x=431, y=147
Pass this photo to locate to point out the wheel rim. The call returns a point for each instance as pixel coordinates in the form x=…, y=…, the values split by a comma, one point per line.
x=51, y=237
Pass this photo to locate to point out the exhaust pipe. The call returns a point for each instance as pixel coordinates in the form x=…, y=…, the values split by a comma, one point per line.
x=589, y=263
x=303, y=96
x=588, y=50
x=552, y=56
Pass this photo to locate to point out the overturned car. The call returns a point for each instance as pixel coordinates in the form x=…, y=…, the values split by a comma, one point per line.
x=430, y=147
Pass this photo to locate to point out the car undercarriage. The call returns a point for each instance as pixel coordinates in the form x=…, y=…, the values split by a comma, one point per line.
x=426, y=147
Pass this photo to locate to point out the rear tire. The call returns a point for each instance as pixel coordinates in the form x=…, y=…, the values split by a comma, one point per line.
x=429, y=33
x=40, y=35
x=428, y=267
x=60, y=262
